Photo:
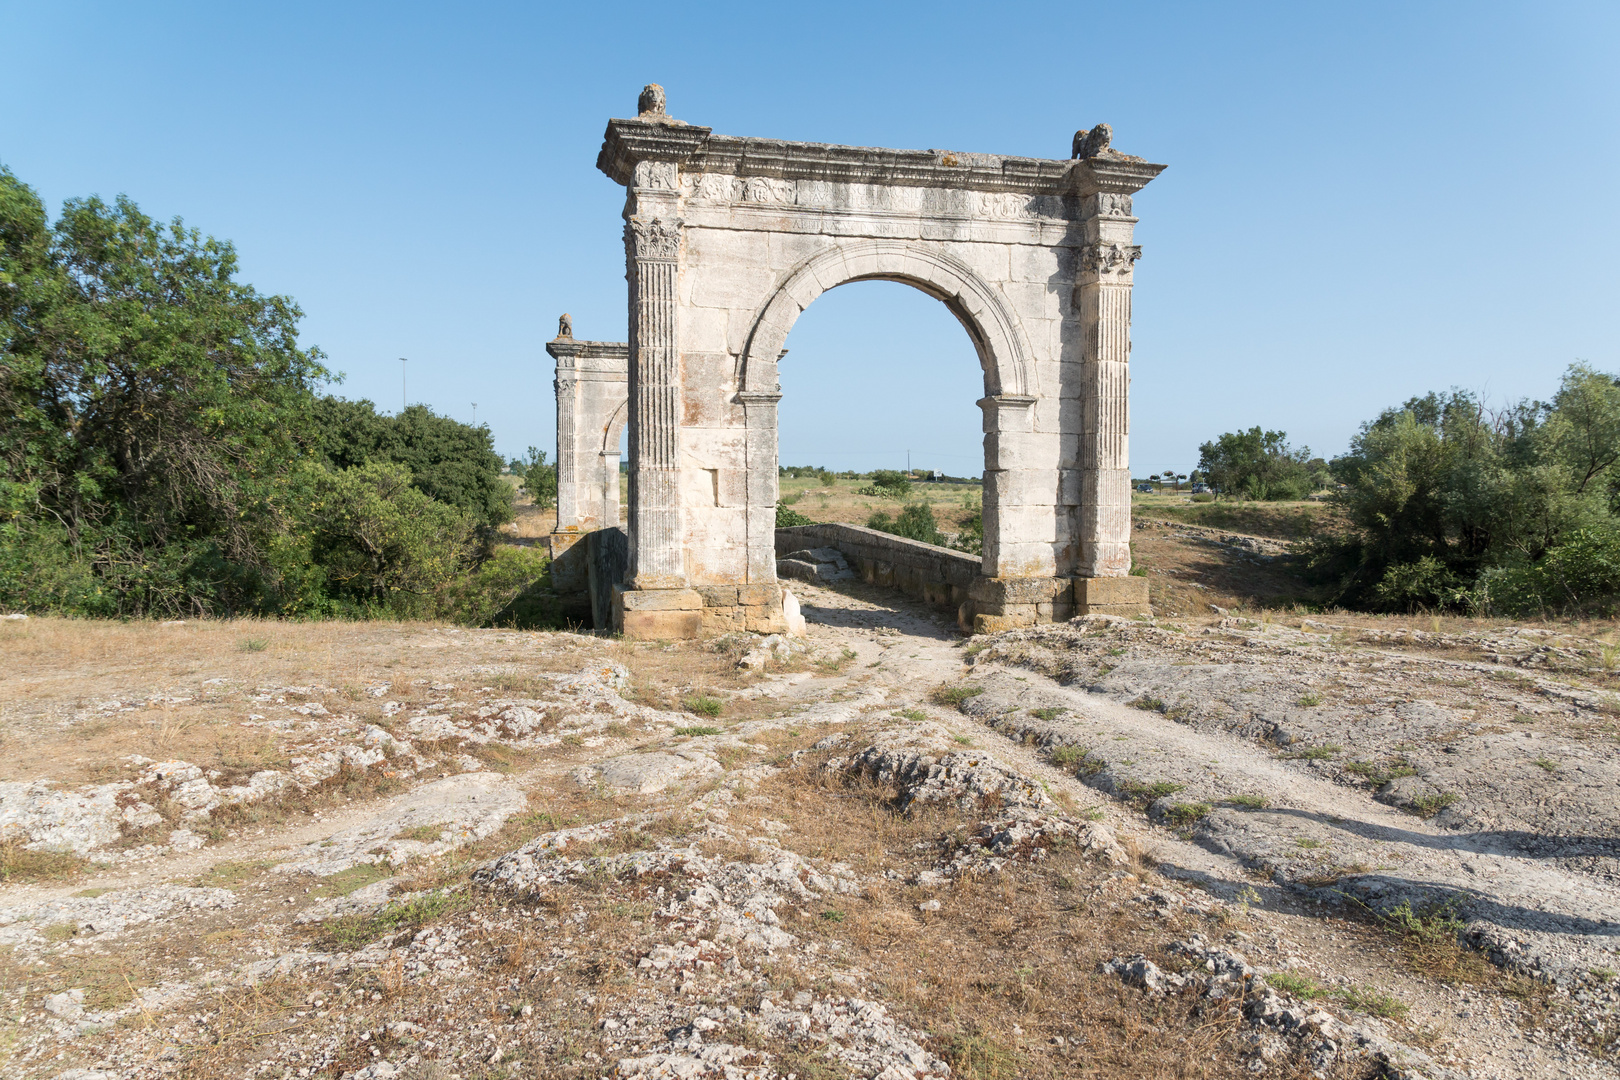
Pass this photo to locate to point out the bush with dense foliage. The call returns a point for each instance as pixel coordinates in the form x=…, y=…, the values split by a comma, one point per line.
x=1451, y=506
x=915, y=522
x=1258, y=464
x=164, y=452
x=888, y=484
x=789, y=518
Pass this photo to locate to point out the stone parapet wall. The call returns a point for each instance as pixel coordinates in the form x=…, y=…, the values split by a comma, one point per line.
x=938, y=575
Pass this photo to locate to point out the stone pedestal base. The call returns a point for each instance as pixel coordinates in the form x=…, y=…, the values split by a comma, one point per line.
x=657, y=614
x=673, y=614
x=1111, y=596
x=999, y=604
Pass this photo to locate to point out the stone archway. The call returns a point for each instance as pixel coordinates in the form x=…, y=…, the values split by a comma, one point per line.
x=728, y=239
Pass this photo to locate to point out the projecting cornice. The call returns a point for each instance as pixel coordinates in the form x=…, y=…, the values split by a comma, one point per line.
x=698, y=150
x=570, y=349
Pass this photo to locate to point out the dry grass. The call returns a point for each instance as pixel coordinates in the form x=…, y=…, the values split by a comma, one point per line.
x=183, y=691
x=952, y=504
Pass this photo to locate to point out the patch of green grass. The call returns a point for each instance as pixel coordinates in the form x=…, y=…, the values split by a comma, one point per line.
x=963, y=739
x=832, y=915
x=253, y=644
x=954, y=696
x=1379, y=775
x=1048, y=715
x=1307, y=842
x=427, y=834
x=701, y=705
x=1310, y=701
x=1248, y=802
x=89, y=894
x=697, y=731
x=58, y=932
x=1140, y=794
x=227, y=875
x=1547, y=763
x=1077, y=759
x=1426, y=806
x=1180, y=815
x=1316, y=753
x=1362, y=1000
x=355, y=877
x=911, y=714
x=353, y=931
x=1146, y=703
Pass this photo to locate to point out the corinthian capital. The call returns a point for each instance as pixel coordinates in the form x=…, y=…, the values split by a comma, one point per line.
x=1109, y=258
x=656, y=238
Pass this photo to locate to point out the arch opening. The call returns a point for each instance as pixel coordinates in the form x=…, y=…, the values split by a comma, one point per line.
x=876, y=377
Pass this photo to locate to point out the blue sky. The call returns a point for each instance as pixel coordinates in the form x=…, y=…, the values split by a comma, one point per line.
x=1364, y=202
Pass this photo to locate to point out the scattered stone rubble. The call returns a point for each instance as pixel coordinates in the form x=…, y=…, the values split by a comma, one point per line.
x=1221, y=976
x=822, y=565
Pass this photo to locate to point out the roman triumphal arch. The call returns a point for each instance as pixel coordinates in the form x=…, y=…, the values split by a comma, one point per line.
x=728, y=239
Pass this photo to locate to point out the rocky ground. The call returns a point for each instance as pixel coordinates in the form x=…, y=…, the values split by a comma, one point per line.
x=1186, y=847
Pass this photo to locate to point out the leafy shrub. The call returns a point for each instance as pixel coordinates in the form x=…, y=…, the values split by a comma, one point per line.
x=971, y=538
x=383, y=546
x=788, y=518
x=511, y=588
x=1582, y=573
x=915, y=522
x=889, y=484
x=1424, y=583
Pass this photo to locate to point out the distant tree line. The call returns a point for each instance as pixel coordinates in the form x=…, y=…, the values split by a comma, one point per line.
x=164, y=449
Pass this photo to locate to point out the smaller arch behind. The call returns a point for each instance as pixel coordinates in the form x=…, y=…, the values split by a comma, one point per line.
x=982, y=311
x=608, y=463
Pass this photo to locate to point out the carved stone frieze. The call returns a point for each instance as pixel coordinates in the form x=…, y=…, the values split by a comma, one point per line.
x=765, y=189
x=658, y=175
x=657, y=238
x=1113, y=204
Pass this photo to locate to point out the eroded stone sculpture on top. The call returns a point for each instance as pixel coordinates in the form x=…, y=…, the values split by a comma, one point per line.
x=728, y=240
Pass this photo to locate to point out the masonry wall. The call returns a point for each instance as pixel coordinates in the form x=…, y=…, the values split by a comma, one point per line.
x=938, y=575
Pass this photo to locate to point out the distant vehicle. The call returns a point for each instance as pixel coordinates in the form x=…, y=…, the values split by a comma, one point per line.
x=1200, y=489
x=1144, y=487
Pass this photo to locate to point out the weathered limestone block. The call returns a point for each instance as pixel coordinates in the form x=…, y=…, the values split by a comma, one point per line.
x=657, y=614
x=1111, y=596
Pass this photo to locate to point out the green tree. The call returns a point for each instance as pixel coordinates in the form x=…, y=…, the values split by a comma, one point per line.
x=148, y=405
x=540, y=479
x=1255, y=464
x=1452, y=506
x=452, y=462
